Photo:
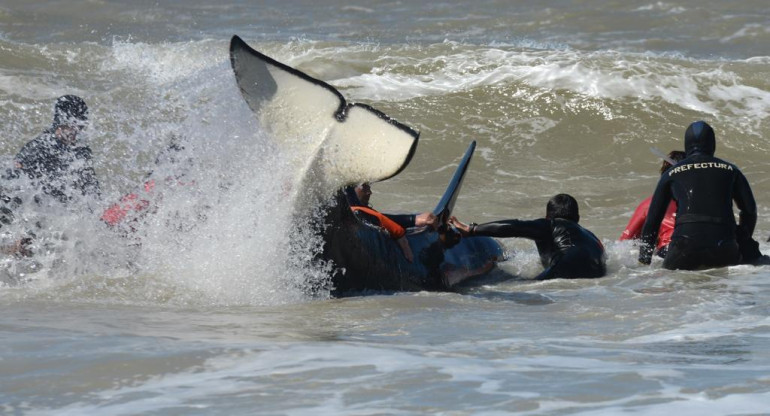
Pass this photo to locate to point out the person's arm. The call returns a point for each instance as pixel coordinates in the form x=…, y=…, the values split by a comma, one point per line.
x=404, y=220
x=744, y=200
x=394, y=230
x=634, y=228
x=533, y=229
x=25, y=160
x=424, y=219
x=86, y=179
x=655, y=214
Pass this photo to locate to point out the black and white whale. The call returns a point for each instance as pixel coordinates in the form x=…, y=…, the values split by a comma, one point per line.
x=334, y=144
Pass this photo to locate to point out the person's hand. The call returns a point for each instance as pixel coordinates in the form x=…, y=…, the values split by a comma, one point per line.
x=426, y=219
x=464, y=229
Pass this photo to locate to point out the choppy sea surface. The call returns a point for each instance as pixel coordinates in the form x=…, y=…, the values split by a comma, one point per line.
x=208, y=313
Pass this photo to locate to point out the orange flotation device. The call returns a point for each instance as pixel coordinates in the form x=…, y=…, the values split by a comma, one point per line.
x=394, y=230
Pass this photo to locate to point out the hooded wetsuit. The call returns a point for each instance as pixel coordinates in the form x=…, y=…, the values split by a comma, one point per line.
x=704, y=187
x=566, y=249
x=58, y=167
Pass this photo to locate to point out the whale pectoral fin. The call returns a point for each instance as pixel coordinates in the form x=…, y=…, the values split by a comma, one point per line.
x=311, y=119
x=445, y=206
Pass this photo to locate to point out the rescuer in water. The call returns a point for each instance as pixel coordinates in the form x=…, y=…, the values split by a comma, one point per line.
x=704, y=188
x=567, y=250
x=394, y=224
x=634, y=228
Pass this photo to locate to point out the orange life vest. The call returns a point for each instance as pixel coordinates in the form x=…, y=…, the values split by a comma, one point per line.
x=394, y=230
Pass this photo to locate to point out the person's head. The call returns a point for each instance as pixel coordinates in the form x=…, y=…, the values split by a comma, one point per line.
x=676, y=156
x=70, y=116
x=363, y=192
x=699, y=138
x=562, y=206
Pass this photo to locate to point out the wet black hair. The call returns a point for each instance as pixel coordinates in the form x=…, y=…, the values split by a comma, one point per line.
x=562, y=206
x=68, y=109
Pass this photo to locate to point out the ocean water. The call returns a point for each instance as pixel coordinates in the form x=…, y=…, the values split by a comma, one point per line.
x=209, y=314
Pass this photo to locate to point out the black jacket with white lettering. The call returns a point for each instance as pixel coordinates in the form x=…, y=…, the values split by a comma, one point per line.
x=704, y=188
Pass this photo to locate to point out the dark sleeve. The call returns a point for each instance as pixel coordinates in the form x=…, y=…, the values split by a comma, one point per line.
x=658, y=206
x=534, y=230
x=28, y=157
x=86, y=180
x=744, y=199
x=404, y=220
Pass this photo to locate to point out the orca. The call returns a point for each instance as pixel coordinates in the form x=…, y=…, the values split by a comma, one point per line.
x=333, y=144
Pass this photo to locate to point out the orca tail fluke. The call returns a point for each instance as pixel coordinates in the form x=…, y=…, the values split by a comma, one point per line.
x=330, y=142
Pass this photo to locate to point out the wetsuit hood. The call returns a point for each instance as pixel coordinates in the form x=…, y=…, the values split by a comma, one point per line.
x=70, y=109
x=699, y=139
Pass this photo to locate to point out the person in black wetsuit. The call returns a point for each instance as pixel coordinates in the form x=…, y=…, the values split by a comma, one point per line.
x=566, y=249
x=704, y=187
x=360, y=195
x=54, y=161
x=394, y=224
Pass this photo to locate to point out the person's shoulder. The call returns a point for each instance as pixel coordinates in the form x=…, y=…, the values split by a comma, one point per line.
x=572, y=224
x=726, y=162
x=547, y=222
x=559, y=222
x=591, y=234
x=572, y=227
x=43, y=141
x=588, y=231
x=726, y=165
